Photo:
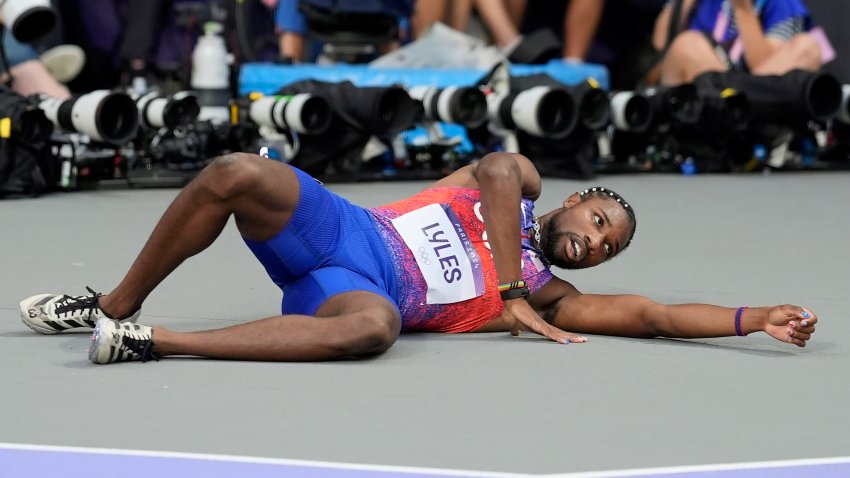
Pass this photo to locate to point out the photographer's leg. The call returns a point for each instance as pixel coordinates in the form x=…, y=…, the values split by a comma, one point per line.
x=426, y=14
x=259, y=192
x=499, y=23
x=292, y=29
x=29, y=75
x=802, y=51
x=32, y=77
x=689, y=55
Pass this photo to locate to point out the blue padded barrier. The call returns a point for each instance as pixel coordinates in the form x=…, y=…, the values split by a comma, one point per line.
x=266, y=78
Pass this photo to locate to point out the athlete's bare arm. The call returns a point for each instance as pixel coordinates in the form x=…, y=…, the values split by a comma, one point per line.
x=467, y=176
x=504, y=179
x=636, y=316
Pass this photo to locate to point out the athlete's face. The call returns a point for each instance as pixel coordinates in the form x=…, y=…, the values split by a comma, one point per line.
x=585, y=233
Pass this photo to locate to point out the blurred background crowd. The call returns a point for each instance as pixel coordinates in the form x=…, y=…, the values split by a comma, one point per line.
x=637, y=85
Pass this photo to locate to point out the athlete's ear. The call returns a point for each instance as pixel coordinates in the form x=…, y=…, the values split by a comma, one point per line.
x=572, y=200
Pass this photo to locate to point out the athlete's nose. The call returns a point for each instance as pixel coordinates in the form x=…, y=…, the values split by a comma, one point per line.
x=593, y=242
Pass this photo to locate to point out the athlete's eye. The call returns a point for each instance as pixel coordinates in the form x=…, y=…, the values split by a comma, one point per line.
x=607, y=250
x=597, y=219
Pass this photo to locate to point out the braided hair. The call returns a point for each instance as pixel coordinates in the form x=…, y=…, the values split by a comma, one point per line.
x=601, y=192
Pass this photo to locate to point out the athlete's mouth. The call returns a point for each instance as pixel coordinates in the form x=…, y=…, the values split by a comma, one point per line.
x=576, y=248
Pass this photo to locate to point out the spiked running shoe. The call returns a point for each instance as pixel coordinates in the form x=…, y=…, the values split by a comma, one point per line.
x=51, y=313
x=116, y=342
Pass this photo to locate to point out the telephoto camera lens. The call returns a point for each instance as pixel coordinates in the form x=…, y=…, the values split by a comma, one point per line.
x=630, y=111
x=34, y=127
x=303, y=113
x=680, y=104
x=109, y=117
x=376, y=110
x=543, y=111
x=157, y=111
x=466, y=106
x=381, y=110
x=28, y=20
x=823, y=96
x=727, y=111
x=594, y=111
x=795, y=97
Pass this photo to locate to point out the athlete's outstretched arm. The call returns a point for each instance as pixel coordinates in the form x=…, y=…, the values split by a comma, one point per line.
x=636, y=316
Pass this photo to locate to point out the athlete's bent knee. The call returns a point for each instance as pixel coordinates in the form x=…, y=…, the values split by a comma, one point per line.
x=373, y=333
x=233, y=174
x=383, y=333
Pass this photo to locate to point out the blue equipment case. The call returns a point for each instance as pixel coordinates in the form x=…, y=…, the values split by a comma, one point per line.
x=266, y=78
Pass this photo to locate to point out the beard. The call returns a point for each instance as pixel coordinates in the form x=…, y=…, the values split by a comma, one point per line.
x=549, y=246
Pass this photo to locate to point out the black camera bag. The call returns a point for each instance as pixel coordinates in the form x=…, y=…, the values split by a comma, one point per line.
x=26, y=166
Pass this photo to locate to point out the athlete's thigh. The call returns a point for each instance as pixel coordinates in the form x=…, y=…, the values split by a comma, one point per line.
x=317, y=294
x=345, y=295
x=360, y=302
x=361, y=323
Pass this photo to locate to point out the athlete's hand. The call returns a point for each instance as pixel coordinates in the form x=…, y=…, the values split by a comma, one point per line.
x=790, y=323
x=520, y=314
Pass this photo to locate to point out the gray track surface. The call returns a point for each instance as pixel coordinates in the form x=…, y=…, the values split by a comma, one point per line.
x=486, y=402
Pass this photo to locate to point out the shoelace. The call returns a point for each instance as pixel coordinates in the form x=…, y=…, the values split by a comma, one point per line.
x=69, y=305
x=139, y=344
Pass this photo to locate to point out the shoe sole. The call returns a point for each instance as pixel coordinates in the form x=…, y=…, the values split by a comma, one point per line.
x=100, y=351
x=25, y=305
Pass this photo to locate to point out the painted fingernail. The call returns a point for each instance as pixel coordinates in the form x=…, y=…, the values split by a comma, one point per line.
x=566, y=341
x=805, y=323
x=792, y=323
x=789, y=331
x=806, y=314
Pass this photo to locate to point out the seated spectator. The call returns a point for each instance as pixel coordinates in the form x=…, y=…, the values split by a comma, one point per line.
x=574, y=21
x=613, y=33
x=454, y=13
x=617, y=35
x=28, y=73
x=504, y=19
x=765, y=37
x=292, y=28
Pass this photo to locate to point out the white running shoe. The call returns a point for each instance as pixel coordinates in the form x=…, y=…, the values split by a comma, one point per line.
x=64, y=62
x=52, y=313
x=117, y=342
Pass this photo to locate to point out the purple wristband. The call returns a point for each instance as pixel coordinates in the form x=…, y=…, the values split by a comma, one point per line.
x=738, y=314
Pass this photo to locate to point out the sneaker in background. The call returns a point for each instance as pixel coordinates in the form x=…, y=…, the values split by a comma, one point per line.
x=116, y=342
x=52, y=313
x=64, y=62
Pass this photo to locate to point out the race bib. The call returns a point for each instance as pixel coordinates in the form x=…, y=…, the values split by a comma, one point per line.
x=444, y=253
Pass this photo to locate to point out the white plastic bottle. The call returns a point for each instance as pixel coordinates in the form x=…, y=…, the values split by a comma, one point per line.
x=211, y=74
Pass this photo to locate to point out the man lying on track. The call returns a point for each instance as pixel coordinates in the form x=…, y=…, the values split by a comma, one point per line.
x=467, y=254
